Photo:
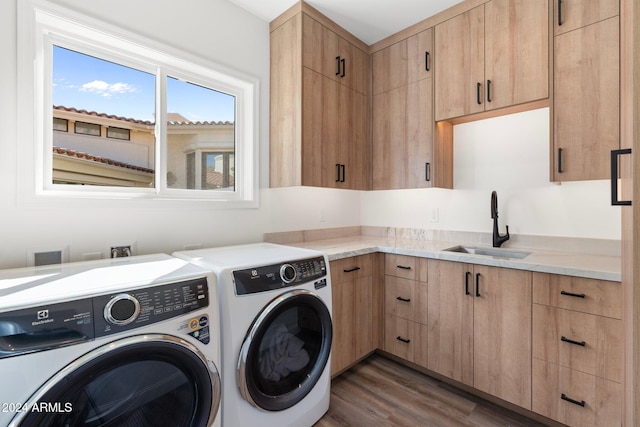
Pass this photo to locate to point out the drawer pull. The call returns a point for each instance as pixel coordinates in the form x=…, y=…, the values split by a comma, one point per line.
x=466, y=283
x=570, y=400
x=403, y=299
x=399, y=338
x=569, y=294
x=580, y=343
x=404, y=267
x=351, y=270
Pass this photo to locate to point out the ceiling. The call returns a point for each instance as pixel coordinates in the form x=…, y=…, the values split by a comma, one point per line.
x=368, y=20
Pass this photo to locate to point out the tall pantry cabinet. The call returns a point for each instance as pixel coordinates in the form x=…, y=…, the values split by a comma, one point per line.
x=319, y=107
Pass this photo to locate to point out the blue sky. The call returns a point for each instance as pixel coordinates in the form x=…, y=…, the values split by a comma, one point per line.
x=84, y=82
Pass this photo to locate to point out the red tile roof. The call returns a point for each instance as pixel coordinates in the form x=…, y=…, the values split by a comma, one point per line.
x=98, y=159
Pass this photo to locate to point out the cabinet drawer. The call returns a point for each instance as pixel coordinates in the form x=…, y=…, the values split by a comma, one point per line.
x=407, y=267
x=575, y=398
x=351, y=268
x=406, y=339
x=585, y=342
x=592, y=296
x=406, y=299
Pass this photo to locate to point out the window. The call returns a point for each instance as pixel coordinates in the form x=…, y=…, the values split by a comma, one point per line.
x=87, y=128
x=175, y=126
x=118, y=133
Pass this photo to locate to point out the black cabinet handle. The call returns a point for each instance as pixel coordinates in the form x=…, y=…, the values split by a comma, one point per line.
x=560, y=160
x=337, y=172
x=399, y=338
x=478, y=88
x=427, y=171
x=338, y=63
x=488, y=90
x=466, y=283
x=343, y=169
x=426, y=61
x=403, y=299
x=580, y=343
x=575, y=402
x=614, y=178
x=351, y=270
x=559, y=12
x=569, y=294
x=404, y=267
x=344, y=67
x=477, y=284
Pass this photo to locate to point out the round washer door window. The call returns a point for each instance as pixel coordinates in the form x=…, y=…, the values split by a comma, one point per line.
x=142, y=381
x=286, y=351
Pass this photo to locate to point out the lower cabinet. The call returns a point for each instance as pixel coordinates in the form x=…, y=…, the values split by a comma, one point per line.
x=479, y=328
x=405, y=305
x=353, y=301
x=578, y=350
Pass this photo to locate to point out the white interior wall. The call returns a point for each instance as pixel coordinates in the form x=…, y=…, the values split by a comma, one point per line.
x=509, y=154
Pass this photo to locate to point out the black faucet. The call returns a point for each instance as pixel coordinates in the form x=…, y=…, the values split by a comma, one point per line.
x=498, y=240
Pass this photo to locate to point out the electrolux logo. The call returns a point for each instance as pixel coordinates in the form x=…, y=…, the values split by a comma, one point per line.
x=43, y=318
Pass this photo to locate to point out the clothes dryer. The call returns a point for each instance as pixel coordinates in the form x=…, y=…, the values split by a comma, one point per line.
x=276, y=332
x=123, y=342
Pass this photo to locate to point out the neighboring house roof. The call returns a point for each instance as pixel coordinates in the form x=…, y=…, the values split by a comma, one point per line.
x=104, y=115
x=98, y=159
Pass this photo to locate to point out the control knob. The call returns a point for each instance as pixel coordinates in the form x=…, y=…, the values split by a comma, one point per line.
x=287, y=273
x=122, y=309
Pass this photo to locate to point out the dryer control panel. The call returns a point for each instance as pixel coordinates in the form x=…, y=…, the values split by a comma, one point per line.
x=278, y=276
x=132, y=309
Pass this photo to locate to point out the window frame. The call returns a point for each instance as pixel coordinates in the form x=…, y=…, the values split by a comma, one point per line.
x=43, y=25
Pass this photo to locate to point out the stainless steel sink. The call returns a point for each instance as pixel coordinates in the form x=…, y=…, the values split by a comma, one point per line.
x=492, y=252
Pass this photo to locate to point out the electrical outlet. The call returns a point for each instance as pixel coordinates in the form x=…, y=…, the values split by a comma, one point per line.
x=120, y=251
x=435, y=215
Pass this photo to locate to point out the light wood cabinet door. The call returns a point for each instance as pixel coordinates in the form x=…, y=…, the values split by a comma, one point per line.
x=502, y=333
x=516, y=52
x=459, y=65
x=352, y=297
x=404, y=62
x=586, y=110
x=450, y=320
x=403, y=137
x=572, y=14
x=406, y=339
x=334, y=57
x=575, y=398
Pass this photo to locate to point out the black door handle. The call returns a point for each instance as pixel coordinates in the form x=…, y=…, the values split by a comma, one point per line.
x=403, y=299
x=466, y=283
x=488, y=90
x=351, y=270
x=427, y=172
x=337, y=172
x=477, y=284
x=567, y=340
x=343, y=169
x=614, y=178
x=559, y=12
x=404, y=267
x=338, y=63
x=426, y=61
x=560, y=160
x=478, y=88
x=344, y=67
x=575, y=402
x=569, y=294
x=399, y=338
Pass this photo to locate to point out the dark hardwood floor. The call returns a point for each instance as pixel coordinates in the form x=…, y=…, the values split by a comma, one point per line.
x=381, y=392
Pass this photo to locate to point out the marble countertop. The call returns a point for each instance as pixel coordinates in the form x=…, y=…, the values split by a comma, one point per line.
x=590, y=266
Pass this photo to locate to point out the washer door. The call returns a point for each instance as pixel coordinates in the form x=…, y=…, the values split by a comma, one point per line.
x=145, y=380
x=285, y=351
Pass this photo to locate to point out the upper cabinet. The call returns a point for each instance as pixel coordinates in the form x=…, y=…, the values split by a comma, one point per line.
x=586, y=100
x=493, y=56
x=404, y=150
x=319, y=133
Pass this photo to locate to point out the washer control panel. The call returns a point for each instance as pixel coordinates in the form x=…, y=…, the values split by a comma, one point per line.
x=278, y=276
x=140, y=307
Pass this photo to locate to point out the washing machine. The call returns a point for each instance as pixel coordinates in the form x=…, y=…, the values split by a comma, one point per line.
x=276, y=332
x=123, y=342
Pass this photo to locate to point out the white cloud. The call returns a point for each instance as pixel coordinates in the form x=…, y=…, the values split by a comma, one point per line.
x=107, y=89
